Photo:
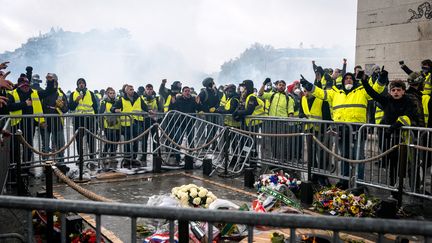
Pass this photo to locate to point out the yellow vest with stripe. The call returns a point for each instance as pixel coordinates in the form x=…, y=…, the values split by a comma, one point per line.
x=108, y=110
x=85, y=105
x=128, y=107
x=167, y=103
x=425, y=102
x=351, y=107
x=427, y=85
x=259, y=111
x=36, y=104
x=379, y=114
x=229, y=120
x=339, y=80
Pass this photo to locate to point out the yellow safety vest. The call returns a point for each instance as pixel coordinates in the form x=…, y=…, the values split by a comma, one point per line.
x=167, y=103
x=379, y=114
x=428, y=85
x=351, y=107
x=127, y=107
x=425, y=102
x=99, y=96
x=137, y=109
x=152, y=104
x=339, y=80
x=85, y=105
x=229, y=121
x=36, y=104
x=315, y=113
x=281, y=105
x=108, y=106
x=223, y=100
x=259, y=111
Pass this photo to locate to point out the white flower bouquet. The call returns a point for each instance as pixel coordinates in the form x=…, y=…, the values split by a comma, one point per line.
x=192, y=195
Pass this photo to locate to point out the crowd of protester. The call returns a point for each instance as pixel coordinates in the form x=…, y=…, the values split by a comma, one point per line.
x=334, y=94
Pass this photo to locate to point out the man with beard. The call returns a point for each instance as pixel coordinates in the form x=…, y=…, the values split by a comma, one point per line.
x=85, y=103
x=25, y=101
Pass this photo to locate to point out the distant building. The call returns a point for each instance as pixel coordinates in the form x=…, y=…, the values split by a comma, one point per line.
x=392, y=30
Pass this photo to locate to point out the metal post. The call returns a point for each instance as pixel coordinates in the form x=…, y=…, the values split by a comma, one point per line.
x=403, y=160
x=17, y=154
x=227, y=141
x=183, y=229
x=49, y=194
x=81, y=152
x=310, y=156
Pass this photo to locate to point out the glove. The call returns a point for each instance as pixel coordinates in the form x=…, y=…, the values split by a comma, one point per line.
x=320, y=70
x=383, y=77
x=329, y=80
x=266, y=81
x=306, y=84
x=394, y=127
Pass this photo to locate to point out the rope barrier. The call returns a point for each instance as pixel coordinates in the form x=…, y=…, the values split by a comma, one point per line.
x=191, y=149
x=268, y=134
x=353, y=161
x=121, y=142
x=420, y=147
x=86, y=193
x=24, y=142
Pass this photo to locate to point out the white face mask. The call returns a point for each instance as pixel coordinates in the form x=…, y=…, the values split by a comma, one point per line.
x=348, y=86
x=297, y=91
x=242, y=89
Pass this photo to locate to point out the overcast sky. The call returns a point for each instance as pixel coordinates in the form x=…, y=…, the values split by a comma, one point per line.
x=206, y=32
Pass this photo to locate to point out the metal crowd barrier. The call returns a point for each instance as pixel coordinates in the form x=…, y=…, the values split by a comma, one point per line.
x=293, y=151
x=198, y=138
x=412, y=169
x=179, y=219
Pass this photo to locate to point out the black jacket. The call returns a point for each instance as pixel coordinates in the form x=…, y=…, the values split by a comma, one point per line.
x=185, y=105
x=49, y=103
x=394, y=108
x=208, y=98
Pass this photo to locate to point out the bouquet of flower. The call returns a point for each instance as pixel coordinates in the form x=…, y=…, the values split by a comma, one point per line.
x=193, y=196
x=275, y=180
x=338, y=202
x=87, y=236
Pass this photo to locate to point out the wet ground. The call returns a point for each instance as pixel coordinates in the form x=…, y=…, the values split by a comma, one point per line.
x=141, y=187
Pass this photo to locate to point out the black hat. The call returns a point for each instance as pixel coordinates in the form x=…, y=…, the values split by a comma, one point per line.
x=248, y=84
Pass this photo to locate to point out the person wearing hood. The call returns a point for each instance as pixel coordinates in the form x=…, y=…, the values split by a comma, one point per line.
x=26, y=101
x=416, y=83
x=130, y=125
x=231, y=104
x=83, y=101
x=111, y=126
x=348, y=104
x=55, y=103
x=398, y=112
x=176, y=88
x=426, y=70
